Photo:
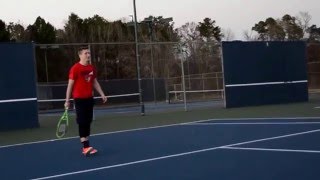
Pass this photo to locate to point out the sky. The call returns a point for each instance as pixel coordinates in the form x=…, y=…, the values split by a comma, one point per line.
x=235, y=15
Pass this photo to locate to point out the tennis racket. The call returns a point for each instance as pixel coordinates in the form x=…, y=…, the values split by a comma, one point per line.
x=62, y=125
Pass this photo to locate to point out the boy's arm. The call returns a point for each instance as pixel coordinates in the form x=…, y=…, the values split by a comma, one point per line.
x=97, y=86
x=68, y=93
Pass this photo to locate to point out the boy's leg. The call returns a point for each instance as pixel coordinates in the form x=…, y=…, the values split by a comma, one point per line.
x=84, y=131
x=84, y=109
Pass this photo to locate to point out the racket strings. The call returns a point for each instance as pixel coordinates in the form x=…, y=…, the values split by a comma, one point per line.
x=62, y=125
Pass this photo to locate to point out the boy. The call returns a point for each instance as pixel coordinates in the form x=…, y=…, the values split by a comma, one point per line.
x=82, y=80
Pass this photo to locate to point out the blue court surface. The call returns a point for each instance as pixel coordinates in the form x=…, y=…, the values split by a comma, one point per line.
x=233, y=149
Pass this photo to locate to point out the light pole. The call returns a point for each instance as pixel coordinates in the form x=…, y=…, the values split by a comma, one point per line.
x=131, y=18
x=189, y=87
x=137, y=57
x=46, y=64
x=182, y=55
x=183, y=81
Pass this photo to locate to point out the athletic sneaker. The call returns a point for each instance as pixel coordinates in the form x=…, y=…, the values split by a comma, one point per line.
x=86, y=151
x=89, y=150
x=93, y=151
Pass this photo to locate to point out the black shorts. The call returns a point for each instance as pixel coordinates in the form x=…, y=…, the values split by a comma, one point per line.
x=84, y=110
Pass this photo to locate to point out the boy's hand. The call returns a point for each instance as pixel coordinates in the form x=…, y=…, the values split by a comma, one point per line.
x=67, y=104
x=104, y=98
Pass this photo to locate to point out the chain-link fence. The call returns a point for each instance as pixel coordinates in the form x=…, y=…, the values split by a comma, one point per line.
x=313, y=69
x=161, y=65
x=200, y=63
x=313, y=62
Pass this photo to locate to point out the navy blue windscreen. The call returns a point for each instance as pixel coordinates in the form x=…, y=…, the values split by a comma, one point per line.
x=18, y=81
x=264, y=62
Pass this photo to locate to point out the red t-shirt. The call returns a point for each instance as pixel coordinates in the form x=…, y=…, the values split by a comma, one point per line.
x=83, y=77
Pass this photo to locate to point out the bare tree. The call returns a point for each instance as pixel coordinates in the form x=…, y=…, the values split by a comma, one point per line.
x=303, y=20
x=249, y=36
x=188, y=32
x=228, y=35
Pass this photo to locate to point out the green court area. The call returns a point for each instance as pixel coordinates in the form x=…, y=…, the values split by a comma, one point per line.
x=105, y=122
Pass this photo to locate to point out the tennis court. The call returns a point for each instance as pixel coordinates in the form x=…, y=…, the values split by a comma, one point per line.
x=186, y=131
x=245, y=148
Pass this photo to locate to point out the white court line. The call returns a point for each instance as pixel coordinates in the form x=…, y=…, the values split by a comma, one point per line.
x=275, y=150
x=240, y=119
x=253, y=123
x=272, y=138
x=155, y=127
x=173, y=155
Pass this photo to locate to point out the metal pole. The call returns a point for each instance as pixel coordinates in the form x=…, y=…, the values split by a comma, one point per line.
x=46, y=62
x=184, y=86
x=152, y=66
x=137, y=57
x=203, y=86
x=189, y=75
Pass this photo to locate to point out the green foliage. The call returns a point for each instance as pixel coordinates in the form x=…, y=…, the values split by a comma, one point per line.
x=292, y=29
x=41, y=32
x=314, y=32
x=278, y=30
x=261, y=29
x=275, y=30
x=17, y=32
x=4, y=34
x=200, y=42
x=73, y=29
x=118, y=61
x=209, y=30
